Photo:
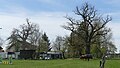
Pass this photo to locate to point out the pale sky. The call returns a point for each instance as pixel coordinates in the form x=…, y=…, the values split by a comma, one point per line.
x=49, y=14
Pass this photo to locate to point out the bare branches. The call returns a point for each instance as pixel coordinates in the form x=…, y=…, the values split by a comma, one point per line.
x=71, y=24
x=87, y=12
x=104, y=21
x=27, y=33
x=90, y=26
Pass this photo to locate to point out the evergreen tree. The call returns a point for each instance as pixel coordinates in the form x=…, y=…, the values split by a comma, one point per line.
x=46, y=42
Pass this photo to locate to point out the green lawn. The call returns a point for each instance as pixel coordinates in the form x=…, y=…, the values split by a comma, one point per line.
x=68, y=63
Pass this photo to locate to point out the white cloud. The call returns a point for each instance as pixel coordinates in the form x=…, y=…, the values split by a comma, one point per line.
x=114, y=25
x=49, y=22
x=116, y=34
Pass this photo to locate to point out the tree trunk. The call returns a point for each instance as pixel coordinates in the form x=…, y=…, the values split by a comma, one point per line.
x=87, y=48
x=63, y=53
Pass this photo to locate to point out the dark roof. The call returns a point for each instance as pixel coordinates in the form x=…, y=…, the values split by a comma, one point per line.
x=1, y=48
x=28, y=45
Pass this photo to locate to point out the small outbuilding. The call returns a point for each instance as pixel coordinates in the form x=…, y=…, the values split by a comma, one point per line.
x=50, y=55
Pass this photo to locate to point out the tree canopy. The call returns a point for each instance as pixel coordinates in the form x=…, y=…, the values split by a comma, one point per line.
x=89, y=27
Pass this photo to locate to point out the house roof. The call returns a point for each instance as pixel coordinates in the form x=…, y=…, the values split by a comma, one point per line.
x=1, y=48
x=28, y=45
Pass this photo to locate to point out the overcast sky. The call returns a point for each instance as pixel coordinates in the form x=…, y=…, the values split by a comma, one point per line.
x=49, y=14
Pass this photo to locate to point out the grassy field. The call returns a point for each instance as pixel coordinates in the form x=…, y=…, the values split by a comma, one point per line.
x=68, y=63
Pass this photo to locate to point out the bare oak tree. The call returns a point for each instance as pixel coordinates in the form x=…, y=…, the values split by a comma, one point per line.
x=26, y=36
x=86, y=28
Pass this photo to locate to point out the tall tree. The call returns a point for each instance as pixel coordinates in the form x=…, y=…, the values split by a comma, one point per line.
x=13, y=41
x=102, y=43
x=86, y=27
x=46, y=42
x=58, y=44
x=25, y=35
x=75, y=46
